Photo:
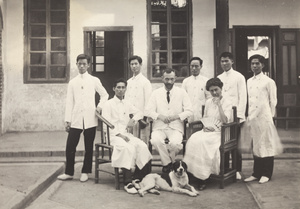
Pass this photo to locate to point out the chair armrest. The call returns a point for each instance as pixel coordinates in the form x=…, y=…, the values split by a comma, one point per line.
x=104, y=120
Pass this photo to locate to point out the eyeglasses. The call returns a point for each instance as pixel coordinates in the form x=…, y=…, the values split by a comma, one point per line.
x=83, y=64
x=195, y=66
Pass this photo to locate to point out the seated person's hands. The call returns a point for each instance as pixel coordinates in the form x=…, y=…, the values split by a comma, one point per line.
x=173, y=118
x=163, y=118
x=168, y=119
x=123, y=137
x=208, y=129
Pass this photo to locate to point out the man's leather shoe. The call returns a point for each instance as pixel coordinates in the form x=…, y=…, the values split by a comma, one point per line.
x=263, y=180
x=84, y=177
x=251, y=178
x=64, y=177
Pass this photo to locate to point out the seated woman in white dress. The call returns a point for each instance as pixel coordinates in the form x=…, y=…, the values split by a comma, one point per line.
x=202, y=154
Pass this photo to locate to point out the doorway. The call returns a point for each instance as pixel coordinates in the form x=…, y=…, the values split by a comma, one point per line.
x=109, y=49
x=250, y=40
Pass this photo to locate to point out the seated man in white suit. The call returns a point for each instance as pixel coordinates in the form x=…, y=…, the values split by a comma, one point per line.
x=130, y=153
x=168, y=106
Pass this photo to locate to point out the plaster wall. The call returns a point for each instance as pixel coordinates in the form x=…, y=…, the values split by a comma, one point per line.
x=40, y=107
x=284, y=13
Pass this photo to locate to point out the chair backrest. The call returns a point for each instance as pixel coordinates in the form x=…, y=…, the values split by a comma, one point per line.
x=193, y=127
x=105, y=139
x=229, y=130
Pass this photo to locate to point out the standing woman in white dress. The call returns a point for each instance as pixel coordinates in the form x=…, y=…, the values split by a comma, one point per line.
x=202, y=154
x=262, y=100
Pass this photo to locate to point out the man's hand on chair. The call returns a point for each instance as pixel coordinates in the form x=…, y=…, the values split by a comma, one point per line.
x=130, y=125
x=67, y=126
x=99, y=109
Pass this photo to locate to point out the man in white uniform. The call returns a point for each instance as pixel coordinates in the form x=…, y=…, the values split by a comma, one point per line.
x=80, y=116
x=138, y=91
x=195, y=87
x=235, y=90
x=168, y=106
x=262, y=97
x=130, y=153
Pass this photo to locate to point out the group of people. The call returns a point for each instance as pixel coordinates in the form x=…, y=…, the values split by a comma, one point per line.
x=168, y=107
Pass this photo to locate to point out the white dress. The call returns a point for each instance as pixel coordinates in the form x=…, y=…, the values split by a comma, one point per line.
x=202, y=154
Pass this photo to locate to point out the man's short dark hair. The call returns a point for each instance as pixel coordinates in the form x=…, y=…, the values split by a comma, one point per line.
x=168, y=71
x=214, y=82
x=197, y=58
x=227, y=54
x=135, y=57
x=120, y=80
x=260, y=58
x=82, y=57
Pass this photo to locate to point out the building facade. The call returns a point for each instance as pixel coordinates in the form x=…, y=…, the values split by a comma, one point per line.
x=40, y=40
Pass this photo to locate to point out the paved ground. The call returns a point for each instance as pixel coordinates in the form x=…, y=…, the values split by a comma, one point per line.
x=30, y=162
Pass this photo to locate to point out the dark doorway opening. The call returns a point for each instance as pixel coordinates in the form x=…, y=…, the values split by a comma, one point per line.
x=250, y=40
x=110, y=50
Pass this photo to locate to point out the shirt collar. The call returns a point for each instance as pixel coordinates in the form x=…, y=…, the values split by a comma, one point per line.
x=84, y=75
x=117, y=100
x=170, y=90
x=137, y=76
x=258, y=76
x=228, y=72
x=196, y=77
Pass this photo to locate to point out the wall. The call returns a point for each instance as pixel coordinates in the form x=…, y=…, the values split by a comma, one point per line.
x=40, y=107
x=284, y=13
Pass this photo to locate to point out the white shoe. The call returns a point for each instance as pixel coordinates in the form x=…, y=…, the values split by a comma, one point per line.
x=136, y=183
x=238, y=176
x=84, y=177
x=263, y=180
x=129, y=188
x=64, y=177
x=251, y=178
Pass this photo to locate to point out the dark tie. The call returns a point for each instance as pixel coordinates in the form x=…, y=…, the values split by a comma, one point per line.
x=168, y=96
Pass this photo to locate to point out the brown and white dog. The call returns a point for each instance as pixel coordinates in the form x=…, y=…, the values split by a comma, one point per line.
x=178, y=178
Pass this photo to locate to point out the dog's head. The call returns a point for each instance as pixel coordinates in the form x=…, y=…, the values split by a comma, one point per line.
x=179, y=168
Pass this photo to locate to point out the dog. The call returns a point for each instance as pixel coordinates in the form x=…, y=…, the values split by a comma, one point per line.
x=177, y=178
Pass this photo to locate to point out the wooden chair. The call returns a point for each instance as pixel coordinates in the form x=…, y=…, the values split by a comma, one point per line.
x=229, y=143
x=103, y=152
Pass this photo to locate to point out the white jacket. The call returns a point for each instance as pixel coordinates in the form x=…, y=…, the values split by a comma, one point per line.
x=80, y=103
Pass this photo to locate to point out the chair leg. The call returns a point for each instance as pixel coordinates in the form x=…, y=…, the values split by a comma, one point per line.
x=222, y=183
x=117, y=179
x=96, y=165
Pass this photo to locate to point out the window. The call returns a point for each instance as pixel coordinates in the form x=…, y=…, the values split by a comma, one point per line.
x=46, y=44
x=169, y=36
x=98, y=41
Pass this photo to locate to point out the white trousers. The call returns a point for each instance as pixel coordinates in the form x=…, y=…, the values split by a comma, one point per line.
x=128, y=154
x=168, y=151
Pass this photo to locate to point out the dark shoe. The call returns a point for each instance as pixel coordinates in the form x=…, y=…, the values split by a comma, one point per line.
x=202, y=187
x=167, y=168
